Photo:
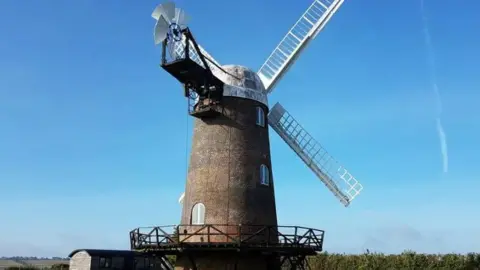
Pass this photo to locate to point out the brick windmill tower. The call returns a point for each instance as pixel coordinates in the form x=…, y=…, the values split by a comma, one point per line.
x=229, y=216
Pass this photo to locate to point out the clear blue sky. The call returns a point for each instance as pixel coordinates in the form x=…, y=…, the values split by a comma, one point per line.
x=94, y=134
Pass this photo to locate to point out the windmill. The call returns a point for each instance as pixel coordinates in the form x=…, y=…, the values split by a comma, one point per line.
x=229, y=201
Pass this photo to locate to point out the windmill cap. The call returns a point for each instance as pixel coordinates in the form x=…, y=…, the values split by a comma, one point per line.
x=243, y=77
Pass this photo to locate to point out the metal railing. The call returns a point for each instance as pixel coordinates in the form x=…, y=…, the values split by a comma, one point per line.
x=182, y=236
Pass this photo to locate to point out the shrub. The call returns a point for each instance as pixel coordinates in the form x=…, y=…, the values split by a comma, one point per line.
x=407, y=260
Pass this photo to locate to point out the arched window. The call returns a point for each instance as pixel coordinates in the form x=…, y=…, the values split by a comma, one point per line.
x=264, y=175
x=260, y=117
x=198, y=214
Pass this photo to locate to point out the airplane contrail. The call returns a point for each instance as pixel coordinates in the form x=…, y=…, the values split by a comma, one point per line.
x=432, y=66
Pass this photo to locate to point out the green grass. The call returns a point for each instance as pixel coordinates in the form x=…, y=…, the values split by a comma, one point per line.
x=34, y=265
x=8, y=263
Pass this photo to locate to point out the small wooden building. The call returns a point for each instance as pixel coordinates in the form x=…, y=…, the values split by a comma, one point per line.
x=100, y=259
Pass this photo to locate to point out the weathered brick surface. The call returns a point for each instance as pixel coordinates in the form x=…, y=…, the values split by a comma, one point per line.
x=224, y=171
x=224, y=175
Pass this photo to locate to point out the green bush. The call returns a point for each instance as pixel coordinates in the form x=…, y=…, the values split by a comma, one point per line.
x=407, y=260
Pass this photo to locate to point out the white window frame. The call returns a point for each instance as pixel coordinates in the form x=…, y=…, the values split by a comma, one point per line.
x=198, y=214
x=260, y=116
x=264, y=175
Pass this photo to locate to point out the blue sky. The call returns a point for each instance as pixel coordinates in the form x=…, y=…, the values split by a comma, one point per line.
x=94, y=134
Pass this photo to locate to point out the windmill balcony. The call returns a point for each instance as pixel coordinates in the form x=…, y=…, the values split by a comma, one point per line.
x=282, y=239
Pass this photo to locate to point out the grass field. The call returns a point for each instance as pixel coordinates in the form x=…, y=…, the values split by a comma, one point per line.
x=8, y=263
x=40, y=264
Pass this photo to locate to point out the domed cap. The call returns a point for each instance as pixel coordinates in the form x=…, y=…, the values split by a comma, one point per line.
x=242, y=77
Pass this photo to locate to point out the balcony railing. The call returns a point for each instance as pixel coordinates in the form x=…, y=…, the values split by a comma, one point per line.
x=226, y=236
